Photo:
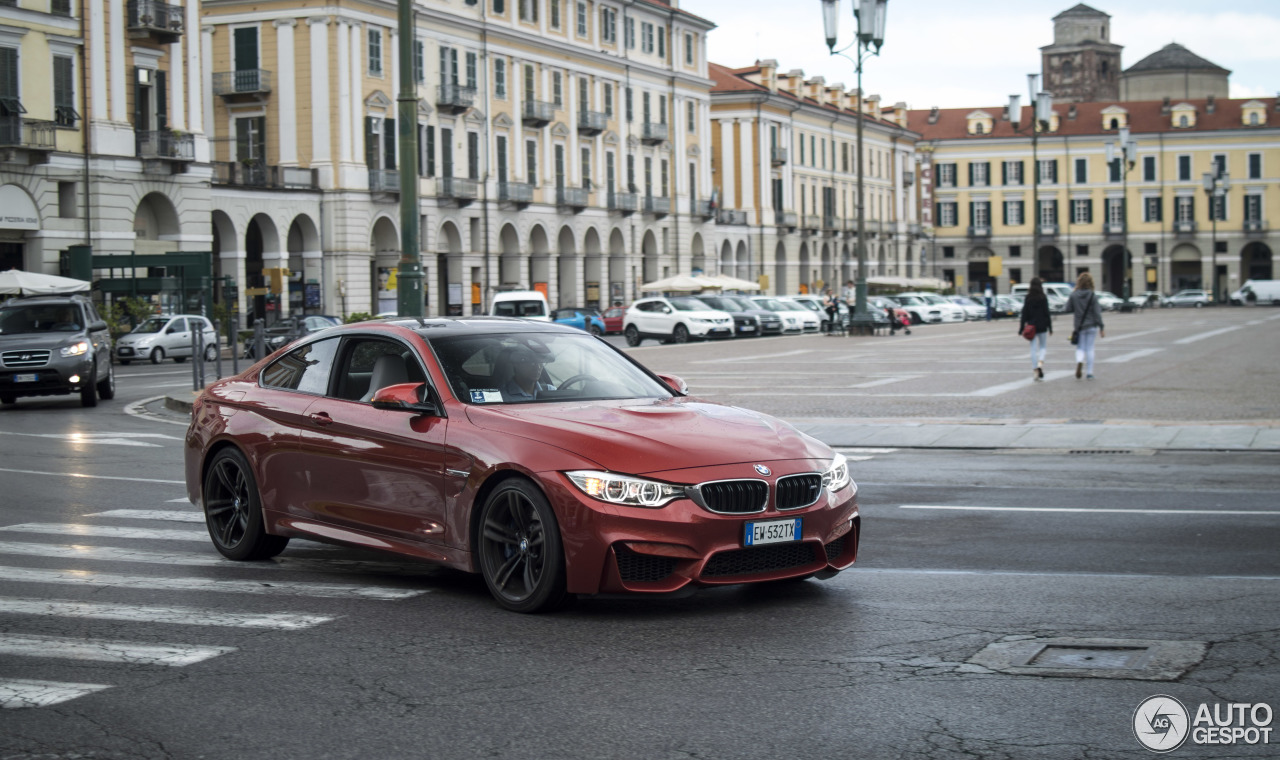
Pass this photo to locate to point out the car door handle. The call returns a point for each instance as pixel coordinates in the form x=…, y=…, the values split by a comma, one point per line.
x=321, y=418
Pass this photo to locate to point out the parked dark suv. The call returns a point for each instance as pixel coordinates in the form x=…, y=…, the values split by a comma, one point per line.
x=54, y=345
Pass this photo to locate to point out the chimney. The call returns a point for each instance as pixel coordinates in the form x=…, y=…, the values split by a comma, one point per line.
x=900, y=113
x=1209, y=105
x=769, y=74
x=794, y=82
x=933, y=115
x=873, y=105
x=1164, y=107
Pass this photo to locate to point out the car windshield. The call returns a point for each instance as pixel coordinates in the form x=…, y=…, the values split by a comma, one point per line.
x=530, y=308
x=744, y=304
x=964, y=301
x=719, y=302
x=933, y=299
x=688, y=304
x=512, y=368
x=909, y=300
x=153, y=325
x=36, y=318
x=810, y=305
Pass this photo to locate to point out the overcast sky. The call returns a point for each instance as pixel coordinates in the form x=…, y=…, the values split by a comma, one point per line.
x=957, y=54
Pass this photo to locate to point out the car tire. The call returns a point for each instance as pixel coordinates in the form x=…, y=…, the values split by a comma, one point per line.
x=157, y=355
x=210, y=353
x=519, y=549
x=8, y=400
x=233, y=510
x=89, y=393
x=125, y=362
x=107, y=388
x=1199, y=305
x=179, y=359
x=632, y=335
x=680, y=334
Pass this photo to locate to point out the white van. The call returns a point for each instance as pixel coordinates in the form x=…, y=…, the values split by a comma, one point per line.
x=526, y=304
x=1259, y=292
x=1056, y=292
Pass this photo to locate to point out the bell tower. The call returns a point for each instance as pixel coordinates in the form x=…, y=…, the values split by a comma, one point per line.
x=1082, y=65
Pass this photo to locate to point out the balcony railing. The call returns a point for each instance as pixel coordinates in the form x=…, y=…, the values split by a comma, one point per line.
x=704, y=209
x=161, y=22
x=165, y=145
x=592, y=122
x=17, y=132
x=1187, y=227
x=384, y=181
x=538, y=113
x=657, y=205
x=979, y=231
x=459, y=189
x=908, y=178
x=572, y=197
x=778, y=156
x=731, y=216
x=1113, y=230
x=253, y=174
x=811, y=222
x=786, y=218
x=626, y=203
x=515, y=192
x=246, y=82
x=653, y=133
x=831, y=223
x=1255, y=225
x=1049, y=231
x=455, y=98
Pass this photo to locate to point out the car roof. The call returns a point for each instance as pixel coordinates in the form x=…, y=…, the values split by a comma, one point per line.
x=436, y=327
x=48, y=298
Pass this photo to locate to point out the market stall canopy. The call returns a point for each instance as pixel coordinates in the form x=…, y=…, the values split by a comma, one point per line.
x=680, y=282
x=731, y=283
x=909, y=283
x=18, y=282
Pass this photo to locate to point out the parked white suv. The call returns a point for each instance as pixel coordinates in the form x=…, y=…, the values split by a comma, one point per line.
x=929, y=307
x=675, y=320
x=161, y=338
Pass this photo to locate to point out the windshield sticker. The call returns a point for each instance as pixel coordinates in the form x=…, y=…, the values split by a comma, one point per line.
x=479, y=396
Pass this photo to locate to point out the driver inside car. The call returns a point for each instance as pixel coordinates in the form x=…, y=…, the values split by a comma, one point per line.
x=524, y=383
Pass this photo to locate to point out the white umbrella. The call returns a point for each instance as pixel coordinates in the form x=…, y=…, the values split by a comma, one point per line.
x=679, y=282
x=18, y=282
x=731, y=283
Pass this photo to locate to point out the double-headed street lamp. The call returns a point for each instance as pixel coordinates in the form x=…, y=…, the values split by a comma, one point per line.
x=1128, y=155
x=1216, y=185
x=1042, y=113
x=869, y=16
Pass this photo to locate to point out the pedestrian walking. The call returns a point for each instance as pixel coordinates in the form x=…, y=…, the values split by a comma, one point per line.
x=1083, y=304
x=1035, y=314
x=989, y=301
x=832, y=307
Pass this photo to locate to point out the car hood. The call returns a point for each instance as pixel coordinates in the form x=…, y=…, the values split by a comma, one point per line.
x=39, y=340
x=640, y=436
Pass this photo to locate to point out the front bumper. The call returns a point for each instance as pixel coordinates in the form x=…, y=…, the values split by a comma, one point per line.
x=614, y=549
x=702, y=330
x=53, y=379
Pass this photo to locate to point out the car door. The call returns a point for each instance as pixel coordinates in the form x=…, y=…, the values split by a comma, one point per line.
x=176, y=338
x=375, y=471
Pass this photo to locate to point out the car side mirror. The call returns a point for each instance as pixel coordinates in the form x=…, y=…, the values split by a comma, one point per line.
x=97, y=326
x=170, y=330
x=666, y=309
x=405, y=397
x=675, y=384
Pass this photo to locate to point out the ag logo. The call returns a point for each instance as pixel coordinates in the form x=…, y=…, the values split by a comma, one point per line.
x=1160, y=723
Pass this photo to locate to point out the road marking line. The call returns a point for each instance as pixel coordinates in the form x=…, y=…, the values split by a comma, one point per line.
x=138, y=409
x=996, y=390
x=104, y=650
x=186, y=372
x=165, y=385
x=1032, y=574
x=94, y=477
x=152, y=514
x=171, y=615
x=179, y=500
x=1127, y=336
x=1123, y=358
x=729, y=360
x=108, y=531
x=862, y=450
x=100, y=438
x=1264, y=513
x=886, y=381
x=17, y=693
x=115, y=554
x=294, y=588
x=1210, y=334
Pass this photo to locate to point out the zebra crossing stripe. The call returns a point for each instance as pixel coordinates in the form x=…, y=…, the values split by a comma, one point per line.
x=210, y=559
x=108, y=531
x=16, y=693
x=153, y=514
x=102, y=650
x=170, y=615
x=294, y=588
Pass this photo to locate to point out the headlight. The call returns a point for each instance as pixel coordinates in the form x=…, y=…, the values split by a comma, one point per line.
x=624, y=489
x=76, y=349
x=703, y=320
x=837, y=475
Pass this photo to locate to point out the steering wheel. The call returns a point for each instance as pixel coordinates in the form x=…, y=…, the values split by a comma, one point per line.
x=584, y=379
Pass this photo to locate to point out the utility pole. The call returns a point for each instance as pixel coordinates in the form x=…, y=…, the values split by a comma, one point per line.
x=409, y=277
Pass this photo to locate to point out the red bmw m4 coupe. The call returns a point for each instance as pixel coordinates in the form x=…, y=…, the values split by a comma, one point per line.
x=539, y=456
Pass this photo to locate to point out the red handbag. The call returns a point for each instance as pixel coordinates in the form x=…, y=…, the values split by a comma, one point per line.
x=1029, y=332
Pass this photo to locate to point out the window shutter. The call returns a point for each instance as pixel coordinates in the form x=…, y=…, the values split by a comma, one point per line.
x=972, y=219
x=1004, y=213
x=1088, y=211
x=1004, y=172
x=389, y=142
x=970, y=174
x=1022, y=177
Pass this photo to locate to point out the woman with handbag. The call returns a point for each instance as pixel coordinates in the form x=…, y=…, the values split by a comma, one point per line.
x=1083, y=303
x=1036, y=325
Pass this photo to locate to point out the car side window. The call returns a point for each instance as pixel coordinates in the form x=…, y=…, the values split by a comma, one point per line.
x=305, y=369
x=371, y=364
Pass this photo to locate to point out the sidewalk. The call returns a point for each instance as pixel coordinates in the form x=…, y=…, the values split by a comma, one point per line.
x=1091, y=435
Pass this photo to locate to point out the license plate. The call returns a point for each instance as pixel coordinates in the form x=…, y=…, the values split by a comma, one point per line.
x=126, y=351
x=772, y=532
x=27, y=378
x=748, y=328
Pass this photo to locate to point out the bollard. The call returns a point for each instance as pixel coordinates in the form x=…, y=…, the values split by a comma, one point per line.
x=217, y=355
x=196, y=334
x=259, y=340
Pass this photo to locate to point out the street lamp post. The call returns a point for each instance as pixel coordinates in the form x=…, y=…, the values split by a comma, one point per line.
x=869, y=16
x=409, y=300
x=1041, y=107
x=1128, y=148
x=1216, y=185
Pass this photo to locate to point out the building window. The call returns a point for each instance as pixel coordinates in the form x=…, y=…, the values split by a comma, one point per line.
x=979, y=174
x=500, y=78
x=1015, y=251
x=948, y=252
x=1255, y=166
x=1185, y=208
x=586, y=168
x=375, y=52
x=646, y=37
x=531, y=162
x=1218, y=209
x=1219, y=164
x=1048, y=212
x=946, y=174
x=663, y=178
x=1013, y=172
x=471, y=70
x=947, y=214
x=1081, y=211
x=426, y=150
x=1082, y=171
x=629, y=32
x=1253, y=119
x=1115, y=169
x=1048, y=172
x=1183, y=121
x=67, y=200
x=529, y=12
x=584, y=98
x=529, y=92
x=1082, y=251
x=627, y=104
x=608, y=101
x=1253, y=208
x=609, y=25
x=1152, y=209
x=419, y=61
x=1115, y=211
x=64, y=92
x=688, y=49
x=582, y=19
x=1184, y=168
x=557, y=89
x=1013, y=211
x=1148, y=168
x=448, y=66
x=690, y=115
x=662, y=42
x=980, y=213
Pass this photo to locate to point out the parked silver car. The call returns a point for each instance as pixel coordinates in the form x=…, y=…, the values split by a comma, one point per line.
x=161, y=338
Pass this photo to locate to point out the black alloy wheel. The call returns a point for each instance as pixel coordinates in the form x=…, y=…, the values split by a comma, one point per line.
x=107, y=387
x=89, y=391
x=681, y=334
x=520, y=551
x=233, y=510
x=633, y=336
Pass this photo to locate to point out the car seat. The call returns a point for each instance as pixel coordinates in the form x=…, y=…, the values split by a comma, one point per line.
x=388, y=369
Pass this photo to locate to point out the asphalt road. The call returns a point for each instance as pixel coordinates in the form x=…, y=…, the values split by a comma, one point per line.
x=109, y=588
